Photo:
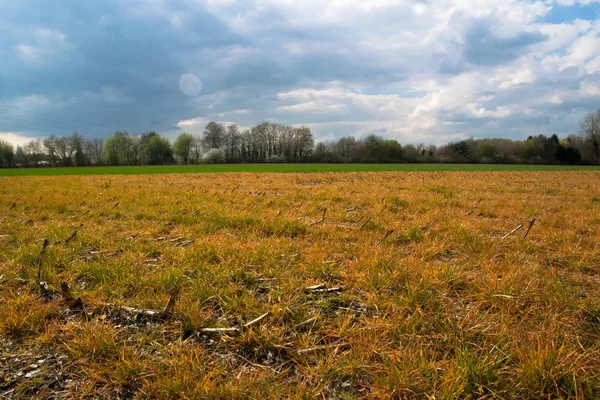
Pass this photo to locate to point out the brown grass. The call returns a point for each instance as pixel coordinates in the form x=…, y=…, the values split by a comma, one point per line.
x=424, y=300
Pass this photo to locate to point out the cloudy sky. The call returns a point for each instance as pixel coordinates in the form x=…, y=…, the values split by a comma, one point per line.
x=417, y=71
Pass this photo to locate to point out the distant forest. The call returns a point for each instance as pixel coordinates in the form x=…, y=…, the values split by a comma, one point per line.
x=275, y=143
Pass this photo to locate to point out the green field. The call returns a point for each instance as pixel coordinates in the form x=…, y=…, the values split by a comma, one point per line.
x=179, y=169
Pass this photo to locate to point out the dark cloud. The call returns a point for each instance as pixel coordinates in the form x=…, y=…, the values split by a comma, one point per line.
x=109, y=46
x=484, y=47
x=101, y=66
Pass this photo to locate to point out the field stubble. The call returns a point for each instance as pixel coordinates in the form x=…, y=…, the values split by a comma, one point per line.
x=369, y=285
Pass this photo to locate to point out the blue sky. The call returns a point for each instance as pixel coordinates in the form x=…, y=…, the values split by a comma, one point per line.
x=417, y=71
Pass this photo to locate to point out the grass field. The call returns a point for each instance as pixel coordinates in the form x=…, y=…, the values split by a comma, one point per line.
x=178, y=169
x=365, y=285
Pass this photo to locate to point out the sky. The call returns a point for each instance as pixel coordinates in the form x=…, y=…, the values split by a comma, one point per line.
x=415, y=71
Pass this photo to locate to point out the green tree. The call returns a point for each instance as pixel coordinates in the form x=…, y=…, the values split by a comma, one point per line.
x=183, y=147
x=120, y=149
x=7, y=154
x=159, y=151
x=373, y=148
x=392, y=151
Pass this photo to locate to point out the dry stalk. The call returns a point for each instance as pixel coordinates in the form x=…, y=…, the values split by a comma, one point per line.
x=66, y=291
x=513, y=231
x=316, y=349
x=144, y=312
x=219, y=330
x=256, y=320
x=305, y=324
x=40, y=264
x=71, y=237
x=236, y=329
x=73, y=303
x=322, y=218
x=315, y=287
x=365, y=223
x=357, y=221
x=171, y=303
x=529, y=227
x=323, y=289
x=387, y=234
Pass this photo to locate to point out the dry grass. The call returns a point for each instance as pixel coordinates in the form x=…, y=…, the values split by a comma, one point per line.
x=425, y=300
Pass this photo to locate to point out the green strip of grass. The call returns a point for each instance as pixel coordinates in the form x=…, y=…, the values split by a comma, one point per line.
x=180, y=169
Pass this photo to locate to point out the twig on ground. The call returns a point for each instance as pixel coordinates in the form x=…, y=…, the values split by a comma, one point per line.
x=323, y=289
x=322, y=218
x=387, y=234
x=171, y=303
x=67, y=240
x=149, y=313
x=334, y=347
x=365, y=223
x=357, y=221
x=305, y=324
x=40, y=263
x=219, y=330
x=513, y=231
x=74, y=303
x=236, y=329
x=256, y=320
x=529, y=227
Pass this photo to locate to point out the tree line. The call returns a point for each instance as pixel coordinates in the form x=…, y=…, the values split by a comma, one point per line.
x=277, y=143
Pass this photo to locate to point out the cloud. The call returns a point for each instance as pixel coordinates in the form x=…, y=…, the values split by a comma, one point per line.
x=44, y=44
x=417, y=71
x=196, y=125
x=107, y=94
x=484, y=47
x=15, y=138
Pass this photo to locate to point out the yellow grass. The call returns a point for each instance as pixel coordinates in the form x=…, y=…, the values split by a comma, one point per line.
x=429, y=301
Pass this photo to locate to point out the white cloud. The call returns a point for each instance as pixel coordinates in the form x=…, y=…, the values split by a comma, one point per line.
x=416, y=70
x=196, y=126
x=15, y=138
x=33, y=103
x=43, y=44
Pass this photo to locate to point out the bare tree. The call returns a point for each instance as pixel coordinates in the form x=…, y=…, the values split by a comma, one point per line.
x=232, y=142
x=60, y=150
x=93, y=150
x=590, y=129
x=303, y=143
x=77, y=144
x=33, y=151
x=196, y=150
x=214, y=135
